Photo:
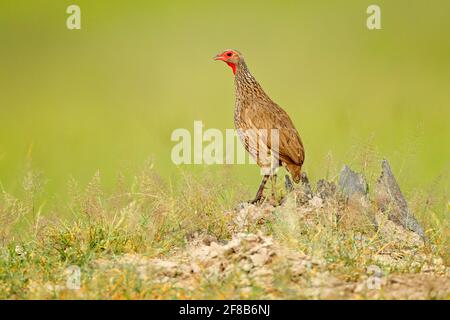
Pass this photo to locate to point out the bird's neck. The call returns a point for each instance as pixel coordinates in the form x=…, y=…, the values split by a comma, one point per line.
x=246, y=85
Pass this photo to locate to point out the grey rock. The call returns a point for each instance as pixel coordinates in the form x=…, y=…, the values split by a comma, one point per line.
x=352, y=183
x=288, y=184
x=305, y=185
x=389, y=199
x=325, y=189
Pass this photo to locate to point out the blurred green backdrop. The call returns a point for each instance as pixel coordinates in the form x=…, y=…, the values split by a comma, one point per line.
x=109, y=95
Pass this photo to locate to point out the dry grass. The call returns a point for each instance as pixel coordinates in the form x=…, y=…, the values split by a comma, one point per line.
x=157, y=240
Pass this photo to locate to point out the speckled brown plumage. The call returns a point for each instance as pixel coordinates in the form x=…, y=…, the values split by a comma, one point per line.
x=255, y=114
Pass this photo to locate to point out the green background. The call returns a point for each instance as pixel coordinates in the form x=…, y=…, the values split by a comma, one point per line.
x=108, y=96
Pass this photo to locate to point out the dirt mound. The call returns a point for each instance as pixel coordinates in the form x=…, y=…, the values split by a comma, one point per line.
x=257, y=261
x=327, y=242
x=251, y=259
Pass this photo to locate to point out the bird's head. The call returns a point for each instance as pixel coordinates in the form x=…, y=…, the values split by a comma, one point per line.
x=231, y=58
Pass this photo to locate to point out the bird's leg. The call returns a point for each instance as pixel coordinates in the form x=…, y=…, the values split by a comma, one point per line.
x=260, y=190
x=274, y=183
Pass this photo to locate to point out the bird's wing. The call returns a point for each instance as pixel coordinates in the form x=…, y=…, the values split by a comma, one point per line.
x=265, y=116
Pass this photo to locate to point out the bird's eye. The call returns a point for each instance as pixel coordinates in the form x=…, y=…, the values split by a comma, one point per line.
x=229, y=54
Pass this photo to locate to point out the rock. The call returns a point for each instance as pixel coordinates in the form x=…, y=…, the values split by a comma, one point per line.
x=325, y=189
x=316, y=202
x=260, y=258
x=208, y=240
x=288, y=184
x=390, y=200
x=306, y=186
x=262, y=272
x=302, y=194
x=250, y=216
x=354, y=189
x=352, y=183
x=247, y=266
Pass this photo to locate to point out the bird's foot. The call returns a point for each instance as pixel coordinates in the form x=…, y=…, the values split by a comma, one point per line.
x=269, y=200
x=256, y=201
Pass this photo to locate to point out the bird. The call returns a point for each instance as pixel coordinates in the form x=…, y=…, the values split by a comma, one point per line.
x=256, y=117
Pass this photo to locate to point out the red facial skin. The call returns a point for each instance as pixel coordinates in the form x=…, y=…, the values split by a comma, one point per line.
x=226, y=57
x=232, y=66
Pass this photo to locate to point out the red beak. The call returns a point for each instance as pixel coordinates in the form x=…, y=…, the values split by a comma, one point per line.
x=219, y=57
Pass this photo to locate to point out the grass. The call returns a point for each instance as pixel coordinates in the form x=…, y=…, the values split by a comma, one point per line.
x=83, y=105
x=110, y=94
x=113, y=236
